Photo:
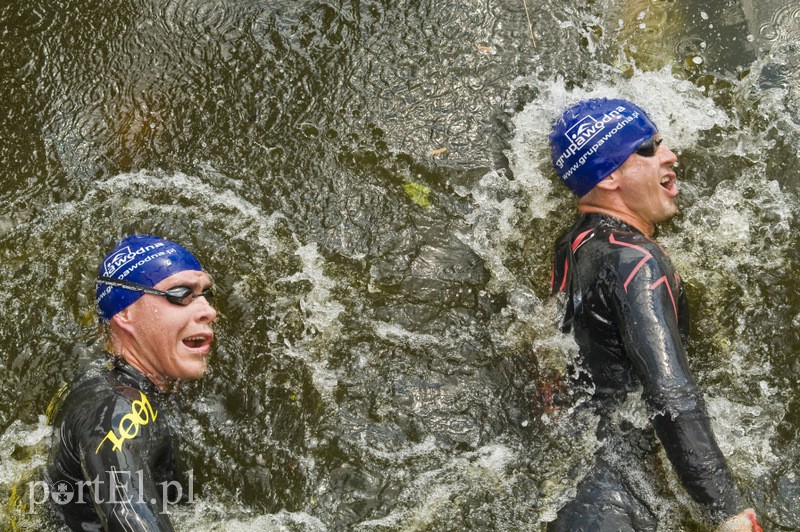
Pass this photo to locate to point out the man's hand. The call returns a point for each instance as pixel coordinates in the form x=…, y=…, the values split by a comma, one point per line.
x=743, y=522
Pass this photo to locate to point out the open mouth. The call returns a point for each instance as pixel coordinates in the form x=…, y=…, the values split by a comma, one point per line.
x=198, y=341
x=668, y=183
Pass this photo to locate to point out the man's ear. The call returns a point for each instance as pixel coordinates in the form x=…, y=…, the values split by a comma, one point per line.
x=123, y=319
x=611, y=182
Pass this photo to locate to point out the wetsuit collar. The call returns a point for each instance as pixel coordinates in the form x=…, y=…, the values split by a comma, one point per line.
x=143, y=383
x=640, y=225
x=611, y=220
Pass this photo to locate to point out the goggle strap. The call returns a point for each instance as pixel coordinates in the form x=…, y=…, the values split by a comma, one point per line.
x=119, y=283
x=177, y=299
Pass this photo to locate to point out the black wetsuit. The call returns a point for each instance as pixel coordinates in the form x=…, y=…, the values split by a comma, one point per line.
x=627, y=308
x=112, y=453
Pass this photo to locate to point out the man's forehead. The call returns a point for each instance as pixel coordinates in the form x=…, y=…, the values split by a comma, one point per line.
x=193, y=277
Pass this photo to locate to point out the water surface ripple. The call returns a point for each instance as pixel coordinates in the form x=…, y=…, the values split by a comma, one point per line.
x=369, y=184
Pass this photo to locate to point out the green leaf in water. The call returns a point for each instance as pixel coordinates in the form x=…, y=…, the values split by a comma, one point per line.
x=418, y=193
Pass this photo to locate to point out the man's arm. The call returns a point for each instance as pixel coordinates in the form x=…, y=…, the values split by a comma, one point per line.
x=646, y=303
x=115, y=457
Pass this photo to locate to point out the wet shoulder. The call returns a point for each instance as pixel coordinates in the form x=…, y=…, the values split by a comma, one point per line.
x=102, y=400
x=97, y=386
x=609, y=249
x=621, y=243
x=621, y=254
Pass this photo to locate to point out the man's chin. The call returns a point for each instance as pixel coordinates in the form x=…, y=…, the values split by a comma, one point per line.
x=667, y=213
x=194, y=372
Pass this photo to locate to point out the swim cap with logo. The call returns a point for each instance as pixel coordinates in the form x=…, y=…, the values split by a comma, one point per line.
x=594, y=137
x=142, y=259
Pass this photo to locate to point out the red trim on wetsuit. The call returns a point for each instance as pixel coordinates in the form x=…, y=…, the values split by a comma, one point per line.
x=645, y=259
x=575, y=245
x=564, y=280
x=664, y=280
x=579, y=239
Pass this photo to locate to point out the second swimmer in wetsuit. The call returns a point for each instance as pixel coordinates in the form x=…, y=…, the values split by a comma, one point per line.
x=112, y=464
x=626, y=306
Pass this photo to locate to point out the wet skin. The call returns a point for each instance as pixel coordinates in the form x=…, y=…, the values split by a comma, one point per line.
x=165, y=341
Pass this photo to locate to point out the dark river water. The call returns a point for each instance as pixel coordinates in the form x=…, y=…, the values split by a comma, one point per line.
x=369, y=184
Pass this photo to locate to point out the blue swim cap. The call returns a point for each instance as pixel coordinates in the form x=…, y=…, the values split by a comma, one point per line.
x=142, y=259
x=594, y=137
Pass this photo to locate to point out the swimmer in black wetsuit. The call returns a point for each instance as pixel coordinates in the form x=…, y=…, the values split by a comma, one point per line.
x=112, y=464
x=95, y=440
x=627, y=309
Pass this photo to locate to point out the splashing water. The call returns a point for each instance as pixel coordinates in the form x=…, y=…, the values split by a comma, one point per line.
x=381, y=359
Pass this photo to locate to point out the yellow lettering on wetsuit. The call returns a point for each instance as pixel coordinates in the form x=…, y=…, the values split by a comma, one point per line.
x=141, y=414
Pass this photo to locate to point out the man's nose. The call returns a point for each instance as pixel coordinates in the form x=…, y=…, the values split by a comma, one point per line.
x=668, y=156
x=208, y=312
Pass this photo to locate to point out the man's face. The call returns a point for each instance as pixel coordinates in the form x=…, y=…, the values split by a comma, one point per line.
x=647, y=185
x=169, y=341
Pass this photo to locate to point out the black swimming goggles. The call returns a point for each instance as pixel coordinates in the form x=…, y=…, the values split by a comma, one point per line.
x=178, y=295
x=648, y=148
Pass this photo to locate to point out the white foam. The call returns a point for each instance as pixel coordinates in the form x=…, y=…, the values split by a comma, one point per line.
x=321, y=309
x=197, y=518
x=424, y=448
x=393, y=330
x=436, y=494
x=22, y=435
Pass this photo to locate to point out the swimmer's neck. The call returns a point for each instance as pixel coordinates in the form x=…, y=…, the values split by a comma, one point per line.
x=164, y=384
x=646, y=228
